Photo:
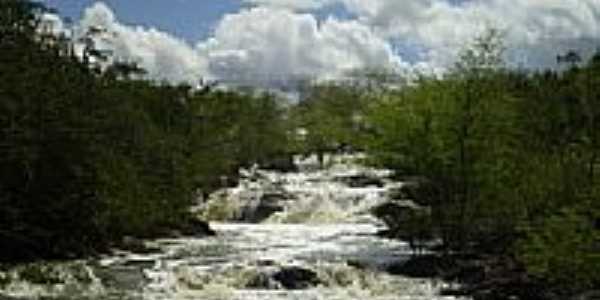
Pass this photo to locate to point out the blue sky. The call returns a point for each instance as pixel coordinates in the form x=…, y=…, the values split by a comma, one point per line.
x=264, y=41
x=191, y=20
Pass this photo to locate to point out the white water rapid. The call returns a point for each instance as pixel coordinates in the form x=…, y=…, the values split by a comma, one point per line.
x=321, y=225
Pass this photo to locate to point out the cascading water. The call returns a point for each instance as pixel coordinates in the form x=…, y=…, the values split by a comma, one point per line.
x=311, y=228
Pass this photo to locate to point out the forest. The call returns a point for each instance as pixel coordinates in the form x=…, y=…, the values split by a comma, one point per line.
x=89, y=156
x=508, y=160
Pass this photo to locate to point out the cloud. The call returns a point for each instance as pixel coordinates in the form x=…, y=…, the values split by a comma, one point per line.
x=272, y=41
x=292, y=4
x=52, y=24
x=535, y=29
x=256, y=46
x=264, y=44
x=163, y=56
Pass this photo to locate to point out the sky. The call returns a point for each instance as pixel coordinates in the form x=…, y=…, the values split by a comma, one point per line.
x=264, y=42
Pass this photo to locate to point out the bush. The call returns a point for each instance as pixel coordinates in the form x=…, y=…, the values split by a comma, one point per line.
x=564, y=249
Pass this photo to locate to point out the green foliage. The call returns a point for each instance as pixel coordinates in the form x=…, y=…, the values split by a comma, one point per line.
x=510, y=159
x=88, y=157
x=564, y=249
x=331, y=117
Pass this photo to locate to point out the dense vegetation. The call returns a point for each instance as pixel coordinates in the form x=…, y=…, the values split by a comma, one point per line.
x=508, y=161
x=328, y=118
x=90, y=154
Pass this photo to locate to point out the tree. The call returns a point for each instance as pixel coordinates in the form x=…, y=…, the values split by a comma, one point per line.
x=89, y=155
x=331, y=117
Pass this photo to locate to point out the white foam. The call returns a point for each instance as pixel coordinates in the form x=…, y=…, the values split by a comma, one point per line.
x=324, y=227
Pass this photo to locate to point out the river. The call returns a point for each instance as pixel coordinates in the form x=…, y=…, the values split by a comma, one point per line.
x=321, y=227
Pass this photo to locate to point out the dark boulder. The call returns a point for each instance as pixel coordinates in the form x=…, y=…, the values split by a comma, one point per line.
x=358, y=264
x=291, y=278
x=426, y=266
x=281, y=163
x=265, y=207
x=406, y=221
x=198, y=228
x=261, y=213
x=295, y=278
x=135, y=245
x=16, y=248
x=265, y=263
x=393, y=214
x=361, y=180
x=418, y=189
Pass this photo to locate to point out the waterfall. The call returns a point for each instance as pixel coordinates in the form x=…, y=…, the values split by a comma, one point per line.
x=312, y=195
x=301, y=235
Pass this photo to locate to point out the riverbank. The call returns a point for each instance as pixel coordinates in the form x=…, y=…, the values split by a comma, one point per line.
x=189, y=226
x=487, y=277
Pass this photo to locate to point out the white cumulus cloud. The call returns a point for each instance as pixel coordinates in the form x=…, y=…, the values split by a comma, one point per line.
x=259, y=46
x=275, y=40
x=263, y=44
x=293, y=4
x=536, y=30
x=162, y=55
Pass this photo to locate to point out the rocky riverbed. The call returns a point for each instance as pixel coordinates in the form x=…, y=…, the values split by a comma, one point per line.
x=300, y=235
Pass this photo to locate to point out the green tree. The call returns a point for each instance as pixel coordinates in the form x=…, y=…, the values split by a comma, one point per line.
x=331, y=116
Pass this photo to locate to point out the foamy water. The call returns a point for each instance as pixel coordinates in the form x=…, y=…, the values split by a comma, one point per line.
x=324, y=227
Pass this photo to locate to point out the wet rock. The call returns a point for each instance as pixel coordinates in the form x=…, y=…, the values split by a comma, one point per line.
x=281, y=163
x=271, y=202
x=465, y=272
x=219, y=206
x=393, y=213
x=229, y=181
x=263, y=281
x=357, y=264
x=426, y=266
x=404, y=191
x=454, y=292
x=406, y=221
x=385, y=233
x=417, y=189
x=290, y=278
x=265, y=263
x=128, y=278
x=135, y=245
x=361, y=180
x=198, y=228
x=142, y=263
x=264, y=208
x=296, y=278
